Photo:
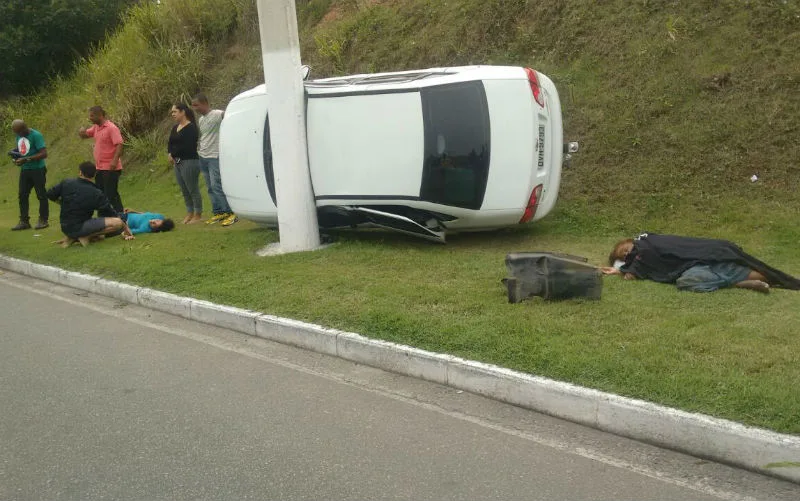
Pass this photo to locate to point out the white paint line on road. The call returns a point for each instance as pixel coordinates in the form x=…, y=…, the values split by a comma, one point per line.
x=592, y=454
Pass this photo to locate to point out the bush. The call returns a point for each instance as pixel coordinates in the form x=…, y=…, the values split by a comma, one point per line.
x=43, y=38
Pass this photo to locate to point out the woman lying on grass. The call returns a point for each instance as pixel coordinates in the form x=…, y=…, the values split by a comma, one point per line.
x=146, y=222
x=694, y=264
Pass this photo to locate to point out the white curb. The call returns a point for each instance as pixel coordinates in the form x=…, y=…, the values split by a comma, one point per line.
x=74, y=279
x=228, y=317
x=555, y=398
x=295, y=333
x=393, y=357
x=695, y=434
x=117, y=290
x=17, y=265
x=165, y=302
x=48, y=273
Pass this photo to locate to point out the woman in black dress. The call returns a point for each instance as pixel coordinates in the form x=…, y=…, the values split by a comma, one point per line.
x=182, y=148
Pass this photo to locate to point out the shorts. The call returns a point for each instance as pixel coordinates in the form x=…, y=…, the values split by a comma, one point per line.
x=710, y=277
x=90, y=227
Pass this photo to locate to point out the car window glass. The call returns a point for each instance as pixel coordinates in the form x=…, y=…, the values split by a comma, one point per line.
x=456, y=164
x=269, y=171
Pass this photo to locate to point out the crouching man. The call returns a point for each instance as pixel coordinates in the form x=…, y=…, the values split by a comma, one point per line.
x=79, y=199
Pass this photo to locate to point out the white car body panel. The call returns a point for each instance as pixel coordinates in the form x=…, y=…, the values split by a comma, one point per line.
x=554, y=148
x=390, y=139
x=366, y=143
x=512, y=146
x=241, y=151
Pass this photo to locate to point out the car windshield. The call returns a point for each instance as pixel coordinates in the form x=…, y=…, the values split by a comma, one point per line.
x=456, y=165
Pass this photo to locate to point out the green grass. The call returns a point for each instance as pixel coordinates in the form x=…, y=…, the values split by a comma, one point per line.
x=666, y=148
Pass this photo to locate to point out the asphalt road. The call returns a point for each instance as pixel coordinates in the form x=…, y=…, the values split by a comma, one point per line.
x=103, y=400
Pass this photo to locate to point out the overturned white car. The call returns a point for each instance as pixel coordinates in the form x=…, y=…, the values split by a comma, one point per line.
x=423, y=152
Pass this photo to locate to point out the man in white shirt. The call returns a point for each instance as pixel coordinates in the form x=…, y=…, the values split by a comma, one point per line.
x=209, y=121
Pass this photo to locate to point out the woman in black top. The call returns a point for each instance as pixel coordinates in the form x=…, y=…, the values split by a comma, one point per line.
x=182, y=148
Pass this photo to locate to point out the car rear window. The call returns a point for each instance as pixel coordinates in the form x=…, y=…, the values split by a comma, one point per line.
x=456, y=119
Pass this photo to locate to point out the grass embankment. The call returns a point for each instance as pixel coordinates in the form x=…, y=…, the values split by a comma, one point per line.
x=676, y=106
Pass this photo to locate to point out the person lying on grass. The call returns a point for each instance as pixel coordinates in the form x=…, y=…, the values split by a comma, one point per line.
x=79, y=199
x=146, y=222
x=694, y=264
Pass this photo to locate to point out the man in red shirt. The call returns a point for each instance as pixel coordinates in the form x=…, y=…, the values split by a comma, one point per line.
x=107, y=151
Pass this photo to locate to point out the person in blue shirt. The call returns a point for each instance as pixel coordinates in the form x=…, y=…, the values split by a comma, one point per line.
x=147, y=222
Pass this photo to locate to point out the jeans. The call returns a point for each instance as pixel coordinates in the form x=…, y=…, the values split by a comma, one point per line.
x=35, y=179
x=210, y=169
x=710, y=277
x=188, y=175
x=108, y=182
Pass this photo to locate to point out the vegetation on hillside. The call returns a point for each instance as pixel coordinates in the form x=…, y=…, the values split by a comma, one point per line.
x=42, y=38
x=676, y=103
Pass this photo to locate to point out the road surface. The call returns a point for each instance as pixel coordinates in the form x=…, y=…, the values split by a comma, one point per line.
x=104, y=400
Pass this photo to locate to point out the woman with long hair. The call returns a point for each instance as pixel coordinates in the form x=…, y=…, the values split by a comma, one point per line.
x=182, y=149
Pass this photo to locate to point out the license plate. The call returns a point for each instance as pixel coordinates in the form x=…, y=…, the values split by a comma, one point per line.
x=541, y=147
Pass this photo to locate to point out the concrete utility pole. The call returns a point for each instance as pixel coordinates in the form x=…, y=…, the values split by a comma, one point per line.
x=280, y=49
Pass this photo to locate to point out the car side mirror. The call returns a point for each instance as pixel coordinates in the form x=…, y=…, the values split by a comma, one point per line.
x=305, y=72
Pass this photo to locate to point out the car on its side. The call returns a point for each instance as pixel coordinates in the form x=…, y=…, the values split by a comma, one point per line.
x=425, y=152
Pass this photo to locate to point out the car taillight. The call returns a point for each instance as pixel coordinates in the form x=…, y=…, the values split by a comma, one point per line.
x=533, y=203
x=537, y=91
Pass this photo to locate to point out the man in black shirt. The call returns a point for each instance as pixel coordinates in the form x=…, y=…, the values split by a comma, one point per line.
x=79, y=198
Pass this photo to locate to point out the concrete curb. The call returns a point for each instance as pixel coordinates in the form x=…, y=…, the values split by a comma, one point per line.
x=695, y=434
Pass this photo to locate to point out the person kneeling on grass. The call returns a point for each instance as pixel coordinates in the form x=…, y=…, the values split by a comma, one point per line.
x=146, y=222
x=694, y=264
x=79, y=199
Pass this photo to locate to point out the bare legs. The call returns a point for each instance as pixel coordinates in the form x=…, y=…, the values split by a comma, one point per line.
x=755, y=281
x=112, y=225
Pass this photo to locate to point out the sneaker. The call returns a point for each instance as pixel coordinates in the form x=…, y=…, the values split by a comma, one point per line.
x=42, y=224
x=22, y=225
x=230, y=219
x=216, y=218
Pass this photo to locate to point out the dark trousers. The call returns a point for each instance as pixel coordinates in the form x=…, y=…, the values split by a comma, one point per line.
x=33, y=179
x=108, y=181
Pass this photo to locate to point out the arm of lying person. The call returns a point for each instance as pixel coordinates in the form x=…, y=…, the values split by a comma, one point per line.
x=127, y=234
x=611, y=270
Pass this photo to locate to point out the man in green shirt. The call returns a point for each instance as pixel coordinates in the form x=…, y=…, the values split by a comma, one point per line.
x=29, y=155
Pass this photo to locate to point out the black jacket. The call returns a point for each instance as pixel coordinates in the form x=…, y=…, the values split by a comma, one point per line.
x=79, y=199
x=664, y=258
x=182, y=144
